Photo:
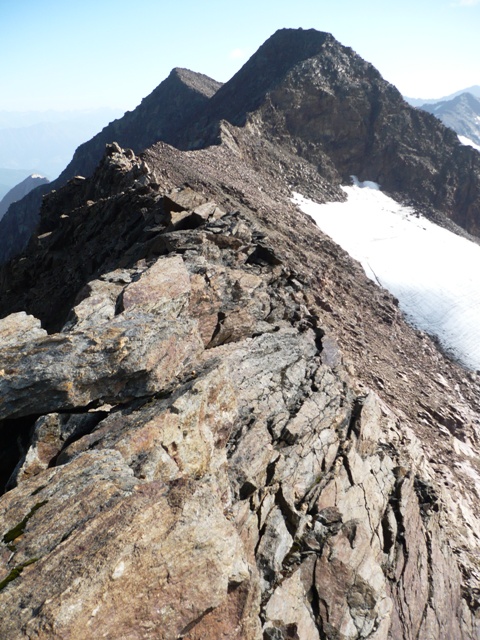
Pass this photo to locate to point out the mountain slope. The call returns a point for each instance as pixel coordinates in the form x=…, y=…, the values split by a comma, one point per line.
x=438, y=296
x=462, y=114
x=228, y=430
x=159, y=117
x=336, y=111
x=307, y=94
x=20, y=191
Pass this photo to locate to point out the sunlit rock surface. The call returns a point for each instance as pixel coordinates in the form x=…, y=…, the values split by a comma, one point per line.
x=224, y=429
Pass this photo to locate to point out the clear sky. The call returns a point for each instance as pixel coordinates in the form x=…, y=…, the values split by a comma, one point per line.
x=67, y=54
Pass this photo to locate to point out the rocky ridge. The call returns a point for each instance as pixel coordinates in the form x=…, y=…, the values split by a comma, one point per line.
x=160, y=116
x=212, y=424
x=228, y=437
x=310, y=97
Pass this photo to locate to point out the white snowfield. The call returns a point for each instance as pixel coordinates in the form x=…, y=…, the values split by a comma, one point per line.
x=469, y=143
x=434, y=273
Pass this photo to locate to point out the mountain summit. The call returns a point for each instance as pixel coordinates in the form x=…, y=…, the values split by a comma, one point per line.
x=212, y=424
x=307, y=92
x=313, y=97
x=160, y=116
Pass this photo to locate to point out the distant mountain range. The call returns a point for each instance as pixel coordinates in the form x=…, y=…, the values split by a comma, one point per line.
x=419, y=102
x=462, y=114
x=20, y=191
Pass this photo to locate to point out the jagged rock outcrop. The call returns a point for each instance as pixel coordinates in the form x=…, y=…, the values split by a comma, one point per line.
x=241, y=438
x=160, y=116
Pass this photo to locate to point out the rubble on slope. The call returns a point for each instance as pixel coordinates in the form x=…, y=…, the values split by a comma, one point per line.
x=233, y=434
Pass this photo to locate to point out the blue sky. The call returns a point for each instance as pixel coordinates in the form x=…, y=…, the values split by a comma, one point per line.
x=96, y=53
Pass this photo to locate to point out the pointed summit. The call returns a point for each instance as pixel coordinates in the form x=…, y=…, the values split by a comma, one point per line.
x=264, y=70
x=312, y=96
x=160, y=116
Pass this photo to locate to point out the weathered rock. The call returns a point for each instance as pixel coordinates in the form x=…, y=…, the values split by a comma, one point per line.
x=133, y=354
x=20, y=328
x=288, y=612
x=123, y=530
x=239, y=477
x=232, y=432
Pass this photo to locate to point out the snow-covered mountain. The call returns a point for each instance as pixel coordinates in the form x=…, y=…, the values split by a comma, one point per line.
x=418, y=102
x=462, y=114
x=434, y=273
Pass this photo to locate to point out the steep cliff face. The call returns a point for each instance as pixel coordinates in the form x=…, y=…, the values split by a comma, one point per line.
x=234, y=434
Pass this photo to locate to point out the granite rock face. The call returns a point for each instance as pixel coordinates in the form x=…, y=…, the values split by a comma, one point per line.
x=231, y=433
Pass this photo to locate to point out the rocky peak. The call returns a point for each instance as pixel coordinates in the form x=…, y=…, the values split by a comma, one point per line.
x=160, y=116
x=246, y=91
x=306, y=92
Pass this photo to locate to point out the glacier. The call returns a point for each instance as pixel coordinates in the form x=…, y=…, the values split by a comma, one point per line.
x=434, y=274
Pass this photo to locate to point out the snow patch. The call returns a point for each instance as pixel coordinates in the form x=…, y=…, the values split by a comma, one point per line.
x=468, y=143
x=366, y=184
x=434, y=273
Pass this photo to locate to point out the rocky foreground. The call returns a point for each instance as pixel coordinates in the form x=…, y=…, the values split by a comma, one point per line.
x=228, y=431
